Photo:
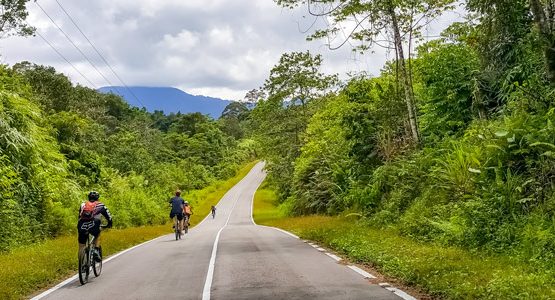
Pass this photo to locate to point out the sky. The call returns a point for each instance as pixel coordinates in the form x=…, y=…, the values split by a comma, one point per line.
x=218, y=48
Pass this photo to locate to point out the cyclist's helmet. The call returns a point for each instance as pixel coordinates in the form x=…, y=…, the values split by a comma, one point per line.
x=93, y=196
x=178, y=193
x=186, y=203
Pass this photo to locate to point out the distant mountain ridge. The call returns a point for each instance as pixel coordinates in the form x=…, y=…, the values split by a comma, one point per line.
x=168, y=100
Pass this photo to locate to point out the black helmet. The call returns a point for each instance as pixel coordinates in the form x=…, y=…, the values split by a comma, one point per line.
x=93, y=196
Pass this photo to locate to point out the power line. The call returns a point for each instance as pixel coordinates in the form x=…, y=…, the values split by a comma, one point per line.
x=73, y=43
x=64, y=58
x=98, y=52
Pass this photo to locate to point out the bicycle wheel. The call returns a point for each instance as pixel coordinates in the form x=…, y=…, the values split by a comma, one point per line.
x=186, y=225
x=177, y=231
x=84, y=266
x=97, y=265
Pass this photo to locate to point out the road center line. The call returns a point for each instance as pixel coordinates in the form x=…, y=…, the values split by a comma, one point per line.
x=212, y=263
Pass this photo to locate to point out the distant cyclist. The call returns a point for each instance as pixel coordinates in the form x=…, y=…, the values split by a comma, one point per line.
x=89, y=222
x=213, y=209
x=177, y=203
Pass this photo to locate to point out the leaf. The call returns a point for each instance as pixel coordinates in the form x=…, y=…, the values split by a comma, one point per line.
x=537, y=144
x=501, y=133
x=476, y=171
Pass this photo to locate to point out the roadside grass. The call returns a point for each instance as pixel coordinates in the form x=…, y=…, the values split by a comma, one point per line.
x=443, y=272
x=202, y=200
x=26, y=270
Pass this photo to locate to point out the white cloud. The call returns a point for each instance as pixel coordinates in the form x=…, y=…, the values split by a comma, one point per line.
x=219, y=48
x=182, y=42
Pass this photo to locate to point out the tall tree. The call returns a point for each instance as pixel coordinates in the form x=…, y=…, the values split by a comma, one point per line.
x=12, y=18
x=370, y=20
x=280, y=120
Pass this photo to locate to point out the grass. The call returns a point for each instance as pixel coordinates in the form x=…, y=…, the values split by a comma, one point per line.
x=443, y=272
x=29, y=269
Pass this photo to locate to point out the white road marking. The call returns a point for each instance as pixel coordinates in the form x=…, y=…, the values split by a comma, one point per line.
x=212, y=263
x=361, y=272
x=74, y=277
x=335, y=257
x=321, y=249
x=283, y=231
x=401, y=294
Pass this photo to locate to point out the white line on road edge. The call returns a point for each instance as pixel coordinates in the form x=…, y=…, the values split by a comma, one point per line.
x=335, y=257
x=361, y=272
x=212, y=263
x=396, y=291
x=74, y=277
x=252, y=218
x=279, y=229
x=400, y=293
x=321, y=249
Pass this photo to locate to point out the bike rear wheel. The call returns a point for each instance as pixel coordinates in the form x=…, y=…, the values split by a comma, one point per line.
x=84, y=266
x=177, y=231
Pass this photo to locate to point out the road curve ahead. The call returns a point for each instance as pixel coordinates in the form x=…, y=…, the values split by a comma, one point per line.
x=228, y=257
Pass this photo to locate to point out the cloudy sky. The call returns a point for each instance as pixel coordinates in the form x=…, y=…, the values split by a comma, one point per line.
x=219, y=48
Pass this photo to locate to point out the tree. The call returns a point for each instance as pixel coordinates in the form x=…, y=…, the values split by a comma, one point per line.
x=371, y=19
x=12, y=18
x=232, y=117
x=279, y=122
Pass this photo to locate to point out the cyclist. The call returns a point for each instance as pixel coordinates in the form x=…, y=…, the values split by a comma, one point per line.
x=188, y=212
x=177, y=204
x=213, y=209
x=89, y=222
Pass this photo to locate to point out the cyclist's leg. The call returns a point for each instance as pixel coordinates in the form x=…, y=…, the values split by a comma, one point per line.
x=82, y=235
x=180, y=218
x=95, y=231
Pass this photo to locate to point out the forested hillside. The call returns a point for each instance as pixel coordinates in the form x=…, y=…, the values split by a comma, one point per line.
x=59, y=140
x=476, y=168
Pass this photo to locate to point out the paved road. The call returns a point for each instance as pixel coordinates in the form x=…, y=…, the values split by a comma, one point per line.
x=250, y=262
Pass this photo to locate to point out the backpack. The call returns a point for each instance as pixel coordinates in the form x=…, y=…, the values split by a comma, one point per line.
x=87, y=213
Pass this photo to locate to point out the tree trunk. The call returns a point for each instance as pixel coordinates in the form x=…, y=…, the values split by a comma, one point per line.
x=409, y=96
x=545, y=27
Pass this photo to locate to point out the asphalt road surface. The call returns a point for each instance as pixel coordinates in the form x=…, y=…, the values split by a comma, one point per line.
x=228, y=257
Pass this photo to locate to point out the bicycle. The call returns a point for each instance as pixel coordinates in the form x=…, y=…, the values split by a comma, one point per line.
x=87, y=261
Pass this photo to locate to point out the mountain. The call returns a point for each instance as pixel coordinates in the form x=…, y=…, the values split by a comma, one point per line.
x=168, y=99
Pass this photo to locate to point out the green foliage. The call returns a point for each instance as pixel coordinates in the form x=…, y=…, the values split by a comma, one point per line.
x=12, y=18
x=483, y=177
x=293, y=91
x=449, y=100
x=60, y=140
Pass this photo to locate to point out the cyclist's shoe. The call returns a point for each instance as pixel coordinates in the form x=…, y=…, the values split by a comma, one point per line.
x=97, y=254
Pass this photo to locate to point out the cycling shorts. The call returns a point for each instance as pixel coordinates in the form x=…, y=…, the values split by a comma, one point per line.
x=86, y=227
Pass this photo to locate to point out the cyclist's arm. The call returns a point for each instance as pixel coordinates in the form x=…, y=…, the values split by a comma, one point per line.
x=106, y=213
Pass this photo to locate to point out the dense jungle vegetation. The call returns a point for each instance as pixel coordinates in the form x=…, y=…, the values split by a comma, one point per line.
x=58, y=141
x=475, y=170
